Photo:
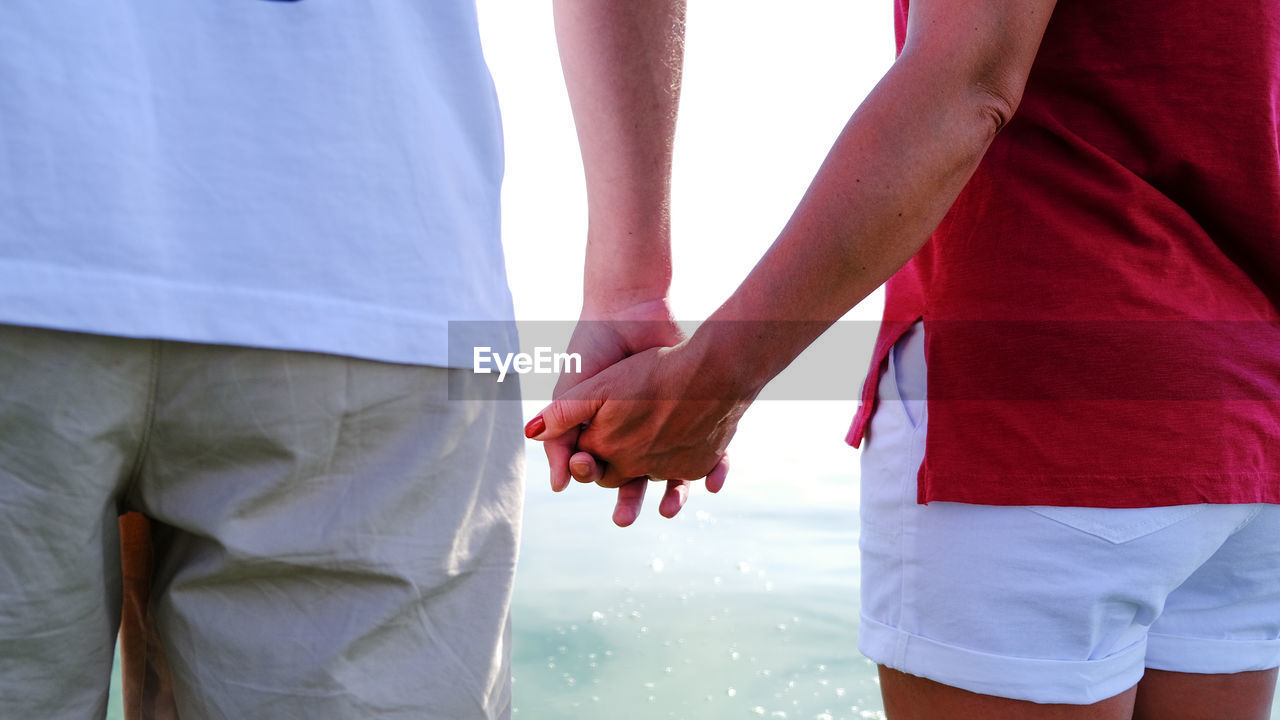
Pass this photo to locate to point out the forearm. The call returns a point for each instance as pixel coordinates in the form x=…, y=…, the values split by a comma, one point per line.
x=891, y=176
x=622, y=61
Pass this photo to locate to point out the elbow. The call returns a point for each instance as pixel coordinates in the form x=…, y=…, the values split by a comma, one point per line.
x=995, y=107
x=996, y=100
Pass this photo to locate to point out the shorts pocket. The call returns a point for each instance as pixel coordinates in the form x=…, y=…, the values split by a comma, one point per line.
x=1118, y=525
x=910, y=373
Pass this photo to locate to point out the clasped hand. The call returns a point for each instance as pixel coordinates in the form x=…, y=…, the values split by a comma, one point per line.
x=658, y=413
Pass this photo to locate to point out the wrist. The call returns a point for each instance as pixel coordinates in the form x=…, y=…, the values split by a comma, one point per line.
x=627, y=304
x=626, y=267
x=717, y=355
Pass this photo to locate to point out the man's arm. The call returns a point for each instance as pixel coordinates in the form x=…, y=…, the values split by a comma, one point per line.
x=622, y=62
x=891, y=176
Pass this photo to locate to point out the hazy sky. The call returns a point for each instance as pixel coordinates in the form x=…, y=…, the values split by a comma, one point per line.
x=766, y=91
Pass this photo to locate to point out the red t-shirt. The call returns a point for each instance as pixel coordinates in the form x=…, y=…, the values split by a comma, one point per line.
x=1102, y=302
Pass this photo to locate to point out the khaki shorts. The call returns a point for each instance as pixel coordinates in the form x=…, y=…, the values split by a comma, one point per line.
x=332, y=537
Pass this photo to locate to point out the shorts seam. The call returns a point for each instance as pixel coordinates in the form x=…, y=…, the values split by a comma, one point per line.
x=1248, y=519
x=148, y=422
x=907, y=578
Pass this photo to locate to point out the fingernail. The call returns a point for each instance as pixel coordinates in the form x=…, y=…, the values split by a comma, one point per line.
x=580, y=469
x=535, y=427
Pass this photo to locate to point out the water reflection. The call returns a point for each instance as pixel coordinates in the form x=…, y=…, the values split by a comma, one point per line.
x=744, y=606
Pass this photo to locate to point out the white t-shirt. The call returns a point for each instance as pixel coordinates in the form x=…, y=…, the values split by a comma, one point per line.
x=319, y=175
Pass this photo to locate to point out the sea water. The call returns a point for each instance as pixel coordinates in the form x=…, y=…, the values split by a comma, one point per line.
x=743, y=606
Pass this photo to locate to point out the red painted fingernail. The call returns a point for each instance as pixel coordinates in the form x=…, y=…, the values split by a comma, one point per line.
x=535, y=427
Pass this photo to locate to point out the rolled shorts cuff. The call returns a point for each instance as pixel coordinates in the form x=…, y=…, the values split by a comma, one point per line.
x=1210, y=656
x=1073, y=682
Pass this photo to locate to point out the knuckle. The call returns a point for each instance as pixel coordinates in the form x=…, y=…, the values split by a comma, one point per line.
x=559, y=414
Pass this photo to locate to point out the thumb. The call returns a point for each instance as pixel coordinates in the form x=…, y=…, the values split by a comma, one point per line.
x=566, y=413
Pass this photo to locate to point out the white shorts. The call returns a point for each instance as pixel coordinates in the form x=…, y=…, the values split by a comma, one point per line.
x=1051, y=604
